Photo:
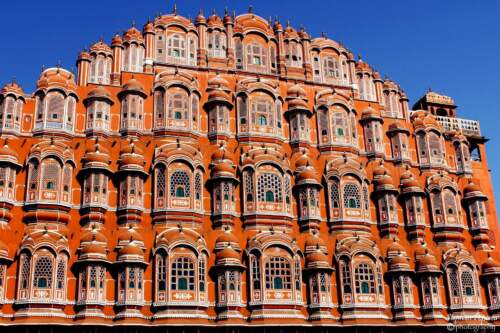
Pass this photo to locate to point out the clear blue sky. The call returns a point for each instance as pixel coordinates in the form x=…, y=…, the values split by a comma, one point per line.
x=452, y=46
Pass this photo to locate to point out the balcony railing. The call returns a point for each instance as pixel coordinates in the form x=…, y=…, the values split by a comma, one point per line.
x=465, y=126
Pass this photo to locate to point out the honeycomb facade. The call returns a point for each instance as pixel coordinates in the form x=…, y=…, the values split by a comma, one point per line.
x=234, y=172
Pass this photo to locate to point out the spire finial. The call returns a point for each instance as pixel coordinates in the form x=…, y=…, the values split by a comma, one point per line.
x=213, y=12
x=174, y=11
x=234, y=14
x=133, y=23
x=250, y=9
x=226, y=11
x=288, y=23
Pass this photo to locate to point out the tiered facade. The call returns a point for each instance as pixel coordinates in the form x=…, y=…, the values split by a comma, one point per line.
x=232, y=171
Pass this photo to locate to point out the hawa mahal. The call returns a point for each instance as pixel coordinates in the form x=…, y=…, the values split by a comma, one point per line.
x=232, y=172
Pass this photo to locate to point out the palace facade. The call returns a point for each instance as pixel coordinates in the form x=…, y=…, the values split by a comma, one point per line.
x=232, y=171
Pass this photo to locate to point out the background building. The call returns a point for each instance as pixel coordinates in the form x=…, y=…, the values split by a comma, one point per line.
x=232, y=171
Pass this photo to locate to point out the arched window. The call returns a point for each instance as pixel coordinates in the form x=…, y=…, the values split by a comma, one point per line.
x=176, y=48
x=450, y=205
x=352, y=196
x=55, y=110
x=42, y=272
x=180, y=184
x=256, y=56
x=293, y=54
x=269, y=187
x=278, y=274
x=331, y=68
x=178, y=108
x=216, y=44
x=182, y=274
x=435, y=148
x=346, y=277
x=159, y=97
x=467, y=280
x=334, y=193
x=364, y=279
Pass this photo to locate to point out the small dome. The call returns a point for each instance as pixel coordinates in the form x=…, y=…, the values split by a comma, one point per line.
x=131, y=252
x=473, y=190
x=100, y=47
x=97, y=156
x=427, y=263
x=129, y=234
x=491, y=267
x=93, y=235
x=370, y=113
x=228, y=253
x=117, y=40
x=4, y=251
x=148, y=27
x=92, y=249
x=303, y=161
x=214, y=20
x=133, y=34
x=133, y=85
x=99, y=93
x=9, y=155
x=222, y=154
x=12, y=88
x=227, y=237
x=131, y=158
x=317, y=259
x=200, y=19
x=362, y=66
x=303, y=34
x=218, y=82
x=227, y=18
x=399, y=263
x=57, y=77
x=308, y=176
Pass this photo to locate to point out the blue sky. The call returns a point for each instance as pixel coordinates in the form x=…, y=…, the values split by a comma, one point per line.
x=451, y=46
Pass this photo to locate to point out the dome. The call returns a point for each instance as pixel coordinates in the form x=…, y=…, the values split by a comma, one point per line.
x=9, y=155
x=296, y=91
x=129, y=234
x=227, y=238
x=97, y=157
x=371, y=113
x=398, y=126
x=473, y=191
x=12, y=88
x=200, y=19
x=399, y=263
x=228, y=253
x=131, y=158
x=117, y=40
x=134, y=86
x=218, y=82
x=92, y=251
x=131, y=252
x=303, y=161
x=227, y=18
x=308, y=176
x=409, y=184
x=427, y=264
x=362, y=66
x=57, y=78
x=148, y=27
x=4, y=251
x=99, y=93
x=313, y=243
x=491, y=267
x=228, y=257
x=133, y=34
x=214, y=20
x=100, y=47
x=317, y=260
x=93, y=235
x=222, y=154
